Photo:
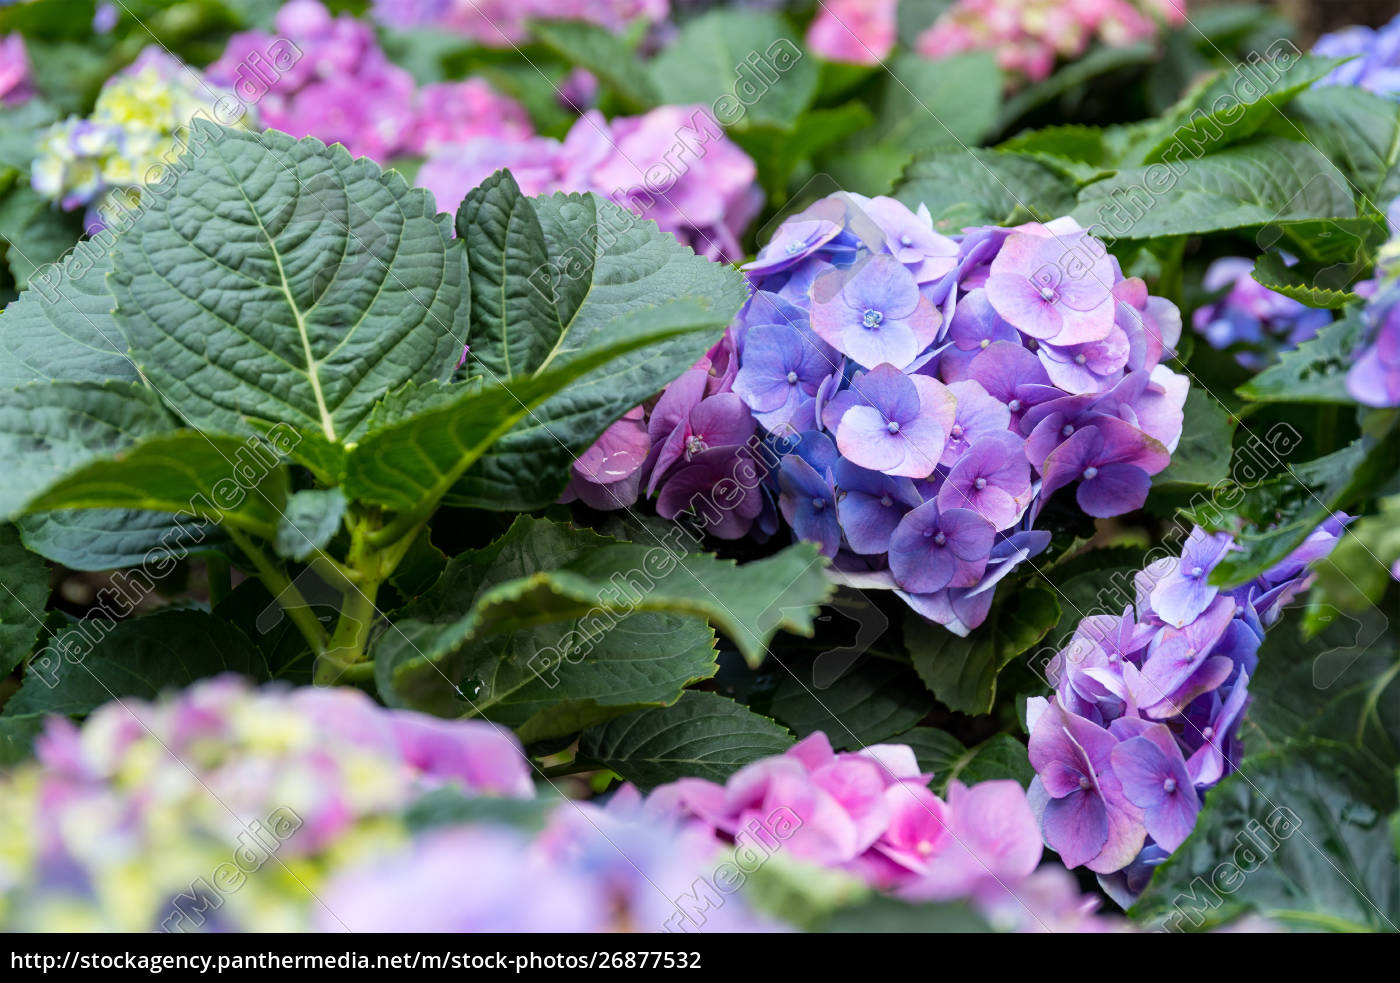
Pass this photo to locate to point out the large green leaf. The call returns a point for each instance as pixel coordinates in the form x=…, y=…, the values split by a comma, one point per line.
x=409, y=463
x=962, y=672
x=36, y=232
x=1000, y=756
x=1315, y=371
x=109, y=539
x=870, y=703
x=561, y=279
x=1329, y=287
x=1235, y=105
x=983, y=187
x=24, y=590
x=1302, y=836
x=712, y=57
x=1359, y=131
x=1262, y=181
x=702, y=735
x=930, y=103
x=283, y=280
x=64, y=329
x=93, y=663
x=80, y=445
x=571, y=584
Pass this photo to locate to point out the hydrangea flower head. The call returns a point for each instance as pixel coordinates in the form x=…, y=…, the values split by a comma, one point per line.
x=1146, y=707
x=1374, y=53
x=860, y=32
x=904, y=421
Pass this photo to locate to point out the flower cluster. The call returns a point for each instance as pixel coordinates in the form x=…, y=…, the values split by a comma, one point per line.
x=503, y=23
x=909, y=400
x=335, y=83
x=859, y=32
x=138, y=127
x=707, y=201
x=1374, y=54
x=15, y=84
x=871, y=814
x=1030, y=36
x=1250, y=317
x=1144, y=716
x=118, y=818
x=229, y=807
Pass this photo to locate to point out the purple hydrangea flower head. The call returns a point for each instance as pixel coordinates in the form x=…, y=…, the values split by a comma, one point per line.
x=878, y=316
x=1147, y=712
x=15, y=86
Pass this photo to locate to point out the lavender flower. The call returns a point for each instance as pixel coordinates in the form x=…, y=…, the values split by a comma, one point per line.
x=15, y=85
x=1375, y=54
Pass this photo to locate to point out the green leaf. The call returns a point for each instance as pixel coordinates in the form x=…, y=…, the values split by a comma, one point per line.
x=410, y=464
x=1000, y=756
x=1202, y=457
x=1235, y=105
x=63, y=329
x=1339, y=684
x=283, y=280
x=712, y=57
x=309, y=522
x=1263, y=181
x=621, y=306
x=1300, y=836
x=99, y=661
x=604, y=54
x=882, y=913
x=962, y=672
x=1315, y=371
x=24, y=591
x=931, y=103
x=1328, y=289
x=1281, y=512
x=983, y=187
x=870, y=703
x=532, y=599
x=778, y=151
x=702, y=735
x=1359, y=131
x=17, y=738
x=81, y=445
x=36, y=231
x=109, y=539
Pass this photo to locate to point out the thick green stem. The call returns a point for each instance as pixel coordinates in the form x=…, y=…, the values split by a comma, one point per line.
x=346, y=648
x=283, y=591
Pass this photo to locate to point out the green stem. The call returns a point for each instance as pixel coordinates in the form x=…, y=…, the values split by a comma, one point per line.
x=283, y=591
x=346, y=649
